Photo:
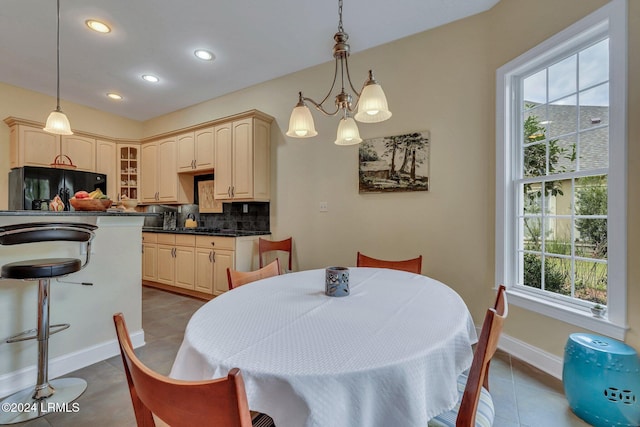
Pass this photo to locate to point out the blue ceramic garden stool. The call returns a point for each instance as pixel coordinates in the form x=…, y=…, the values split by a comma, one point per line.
x=601, y=379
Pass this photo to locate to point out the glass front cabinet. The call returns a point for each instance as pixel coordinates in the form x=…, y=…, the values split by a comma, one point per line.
x=128, y=171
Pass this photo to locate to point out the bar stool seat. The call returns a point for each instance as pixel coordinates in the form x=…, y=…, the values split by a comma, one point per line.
x=39, y=268
x=60, y=391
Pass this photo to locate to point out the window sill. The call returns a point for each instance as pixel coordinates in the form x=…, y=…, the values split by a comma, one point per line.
x=566, y=314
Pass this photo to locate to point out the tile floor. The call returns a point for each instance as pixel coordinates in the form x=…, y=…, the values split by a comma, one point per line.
x=523, y=395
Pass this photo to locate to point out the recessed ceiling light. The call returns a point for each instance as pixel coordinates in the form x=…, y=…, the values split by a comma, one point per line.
x=114, y=96
x=205, y=55
x=150, y=78
x=98, y=26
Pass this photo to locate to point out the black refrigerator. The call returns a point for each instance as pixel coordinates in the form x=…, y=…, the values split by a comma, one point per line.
x=32, y=188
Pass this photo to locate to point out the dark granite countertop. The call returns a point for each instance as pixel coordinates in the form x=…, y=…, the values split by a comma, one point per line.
x=74, y=213
x=207, y=231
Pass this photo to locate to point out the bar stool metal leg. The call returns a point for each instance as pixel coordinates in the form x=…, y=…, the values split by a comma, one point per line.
x=48, y=396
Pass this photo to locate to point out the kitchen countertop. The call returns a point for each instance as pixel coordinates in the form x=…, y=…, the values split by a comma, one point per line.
x=207, y=231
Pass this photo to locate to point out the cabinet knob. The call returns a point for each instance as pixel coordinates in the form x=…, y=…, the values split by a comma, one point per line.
x=213, y=243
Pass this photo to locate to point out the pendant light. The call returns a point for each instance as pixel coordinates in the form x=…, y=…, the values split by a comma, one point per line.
x=57, y=122
x=371, y=101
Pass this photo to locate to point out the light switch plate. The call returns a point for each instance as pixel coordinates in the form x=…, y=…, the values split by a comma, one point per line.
x=324, y=207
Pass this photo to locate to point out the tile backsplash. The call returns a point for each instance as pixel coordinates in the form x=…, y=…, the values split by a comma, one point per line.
x=233, y=217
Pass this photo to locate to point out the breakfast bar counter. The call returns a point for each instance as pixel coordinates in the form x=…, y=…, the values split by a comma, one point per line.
x=87, y=299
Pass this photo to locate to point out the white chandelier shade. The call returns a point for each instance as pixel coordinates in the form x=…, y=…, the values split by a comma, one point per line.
x=58, y=124
x=348, y=133
x=301, y=123
x=372, y=107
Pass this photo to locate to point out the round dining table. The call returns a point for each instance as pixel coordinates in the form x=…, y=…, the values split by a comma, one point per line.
x=388, y=354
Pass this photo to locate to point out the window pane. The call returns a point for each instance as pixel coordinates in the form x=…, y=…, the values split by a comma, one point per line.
x=594, y=63
x=532, y=232
x=553, y=190
x=562, y=78
x=591, y=281
x=557, y=237
x=566, y=154
x=591, y=195
x=535, y=160
x=594, y=107
x=532, y=271
x=532, y=198
x=563, y=117
x=591, y=238
x=535, y=124
x=535, y=88
x=593, y=149
x=557, y=275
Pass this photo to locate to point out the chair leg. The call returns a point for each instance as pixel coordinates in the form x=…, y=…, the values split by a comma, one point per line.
x=48, y=396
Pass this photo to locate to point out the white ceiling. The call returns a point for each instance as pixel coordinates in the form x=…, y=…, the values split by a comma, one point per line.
x=253, y=41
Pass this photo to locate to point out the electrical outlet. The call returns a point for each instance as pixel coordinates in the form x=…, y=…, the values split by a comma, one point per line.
x=245, y=208
x=324, y=207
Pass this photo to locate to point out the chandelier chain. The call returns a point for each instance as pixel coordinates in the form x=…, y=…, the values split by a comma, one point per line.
x=340, y=29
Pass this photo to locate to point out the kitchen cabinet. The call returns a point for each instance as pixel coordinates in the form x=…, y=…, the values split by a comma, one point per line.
x=81, y=150
x=149, y=257
x=29, y=145
x=106, y=163
x=128, y=170
x=160, y=182
x=176, y=260
x=195, y=151
x=195, y=264
x=216, y=254
x=242, y=160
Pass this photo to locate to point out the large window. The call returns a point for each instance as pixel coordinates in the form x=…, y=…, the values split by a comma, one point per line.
x=561, y=178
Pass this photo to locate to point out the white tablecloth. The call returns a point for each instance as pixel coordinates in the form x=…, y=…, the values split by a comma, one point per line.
x=387, y=355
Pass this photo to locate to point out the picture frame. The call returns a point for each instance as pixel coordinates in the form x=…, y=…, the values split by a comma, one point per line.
x=397, y=163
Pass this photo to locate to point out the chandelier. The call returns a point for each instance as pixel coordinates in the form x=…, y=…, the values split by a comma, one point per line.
x=371, y=102
x=57, y=122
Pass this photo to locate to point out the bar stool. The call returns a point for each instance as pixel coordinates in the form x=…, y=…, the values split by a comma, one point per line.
x=60, y=391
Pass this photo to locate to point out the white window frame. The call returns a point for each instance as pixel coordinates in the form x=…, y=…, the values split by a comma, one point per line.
x=612, y=21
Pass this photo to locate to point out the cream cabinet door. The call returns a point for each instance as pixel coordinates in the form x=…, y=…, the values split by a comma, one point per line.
x=242, y=169
x=186, y=152
x=167, y=175
x=223, y=157
x=185, y=264
x=81, y=150
x=204, y=149
x=166, y=266
x=106, y=164
x=222, y=259
x=204, y=270
x=149, y=173
x=35, y=147
x=149, y=262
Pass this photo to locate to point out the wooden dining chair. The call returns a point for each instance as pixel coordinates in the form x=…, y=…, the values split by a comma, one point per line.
x=239, y=278
x=265, y=246
x=411, y=265
x=219, y=402
x=475, y=406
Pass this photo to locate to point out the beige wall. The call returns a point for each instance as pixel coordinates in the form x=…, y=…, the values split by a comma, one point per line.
x=442, y=81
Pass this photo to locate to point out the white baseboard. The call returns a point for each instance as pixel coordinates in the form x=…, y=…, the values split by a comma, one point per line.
x=26, y=377
x=546, y=362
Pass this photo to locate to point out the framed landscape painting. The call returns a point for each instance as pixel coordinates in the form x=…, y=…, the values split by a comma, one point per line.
x=395, y=163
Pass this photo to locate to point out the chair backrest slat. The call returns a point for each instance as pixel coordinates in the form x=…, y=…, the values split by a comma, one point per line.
x=411, y=265
x=265, y=245
x=238, y=278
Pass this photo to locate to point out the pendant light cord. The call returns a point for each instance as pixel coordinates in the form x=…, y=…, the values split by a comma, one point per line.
x=58, y=62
